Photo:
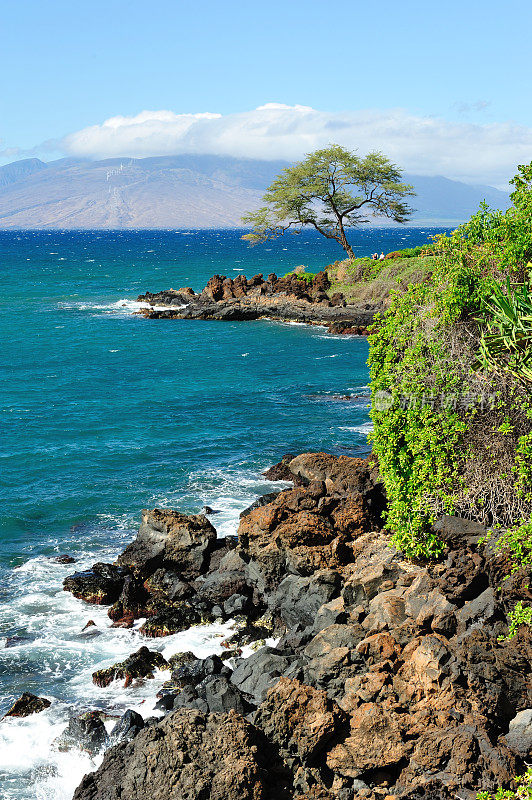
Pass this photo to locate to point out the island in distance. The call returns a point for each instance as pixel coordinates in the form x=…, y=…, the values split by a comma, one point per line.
x=185, y=191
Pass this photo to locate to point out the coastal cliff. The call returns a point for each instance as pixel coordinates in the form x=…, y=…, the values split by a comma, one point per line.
x=375, y=676
x=380, y=609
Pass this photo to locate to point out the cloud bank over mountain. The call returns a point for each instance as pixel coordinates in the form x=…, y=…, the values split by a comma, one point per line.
x=470, y=152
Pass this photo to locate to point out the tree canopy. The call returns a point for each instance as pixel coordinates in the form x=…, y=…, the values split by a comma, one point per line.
x=330, y=190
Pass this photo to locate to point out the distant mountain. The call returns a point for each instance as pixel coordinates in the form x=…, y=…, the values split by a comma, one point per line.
x=18, y=170
x=440, y=200
x=181, y=192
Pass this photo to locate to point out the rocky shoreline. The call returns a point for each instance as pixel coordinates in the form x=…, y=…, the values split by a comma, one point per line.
x=292, y=298
x=370, y=676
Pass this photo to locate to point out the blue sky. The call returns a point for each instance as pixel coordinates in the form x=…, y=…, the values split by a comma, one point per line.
x=69, y=66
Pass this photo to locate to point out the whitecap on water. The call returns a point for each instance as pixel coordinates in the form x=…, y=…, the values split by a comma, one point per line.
x=365, y=428
x=123, y=306
x=227, y=491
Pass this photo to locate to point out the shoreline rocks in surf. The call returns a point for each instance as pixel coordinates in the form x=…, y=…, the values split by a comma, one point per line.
x=383, y=677
x=28, y=704
x=289, y=299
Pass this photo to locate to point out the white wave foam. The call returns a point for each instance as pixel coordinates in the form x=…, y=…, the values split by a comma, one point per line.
x=55, y=658
x=55, y=648
x=365, y=428
x=227, y=491
x=123, y=306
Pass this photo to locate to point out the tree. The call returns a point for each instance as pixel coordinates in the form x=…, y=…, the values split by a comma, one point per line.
x=330, y=190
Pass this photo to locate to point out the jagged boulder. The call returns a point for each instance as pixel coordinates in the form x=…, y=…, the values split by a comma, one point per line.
x=86, y=732
x=127, y=727
x=172, y=540
x=188, y=755
x=215, y=287
x=375, y=743
x=255, y=675
x=138, y=665
x=297, y=599
x=28, y=704
x=100, y=585
x=166, y=619
x=519, y=736
x=214, y=694
x=340, y=473
x=302, y=721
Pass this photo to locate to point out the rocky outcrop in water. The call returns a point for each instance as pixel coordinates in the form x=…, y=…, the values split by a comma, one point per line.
x=136, y=666
x=290, y=298
x=382, y=677
x=28, y=704
x=86, y=732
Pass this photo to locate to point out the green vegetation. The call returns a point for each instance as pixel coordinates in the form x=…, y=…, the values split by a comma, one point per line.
x=523, y=790
x=413, y=252
x=364, y=280
x=331, y=190
x=308, y=277
x=517, y=616
x=450, y=368
x=506, y=341
x=516, y=542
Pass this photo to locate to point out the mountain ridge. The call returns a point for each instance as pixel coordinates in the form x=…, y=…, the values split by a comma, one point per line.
x=185, y=191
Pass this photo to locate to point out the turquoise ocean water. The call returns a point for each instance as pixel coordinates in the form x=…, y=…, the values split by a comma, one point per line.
x=104, y=413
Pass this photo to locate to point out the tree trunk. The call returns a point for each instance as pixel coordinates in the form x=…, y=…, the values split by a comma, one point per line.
x=343, y=239
x=348, y=249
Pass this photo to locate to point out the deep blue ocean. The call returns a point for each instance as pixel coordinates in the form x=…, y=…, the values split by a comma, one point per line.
x=104, y=413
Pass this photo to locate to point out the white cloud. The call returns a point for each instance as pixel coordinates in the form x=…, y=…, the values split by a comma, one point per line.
x=464, y=108
x=482, y=153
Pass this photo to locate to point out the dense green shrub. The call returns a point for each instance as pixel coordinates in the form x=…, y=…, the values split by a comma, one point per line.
x=416, y=436
x=506, y=335
x=452, y=436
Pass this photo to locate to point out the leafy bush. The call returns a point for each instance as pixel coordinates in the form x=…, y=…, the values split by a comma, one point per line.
x=519, y=615
x=506, y=340
x=415, y=437
x=451, y=435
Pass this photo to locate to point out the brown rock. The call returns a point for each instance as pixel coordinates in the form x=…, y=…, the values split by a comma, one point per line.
x=138, y=665
x=379, y=647
x=375, y=741
x=340, y=473
x=214, y=288
x=28, y=704
x=424, y=669
x=301, y=720
x=188, y=755
x=65, y=559
x=386, y=610
x=280, y=471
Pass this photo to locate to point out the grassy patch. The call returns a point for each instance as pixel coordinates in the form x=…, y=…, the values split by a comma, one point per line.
x=307, y=277
x=363, y=280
